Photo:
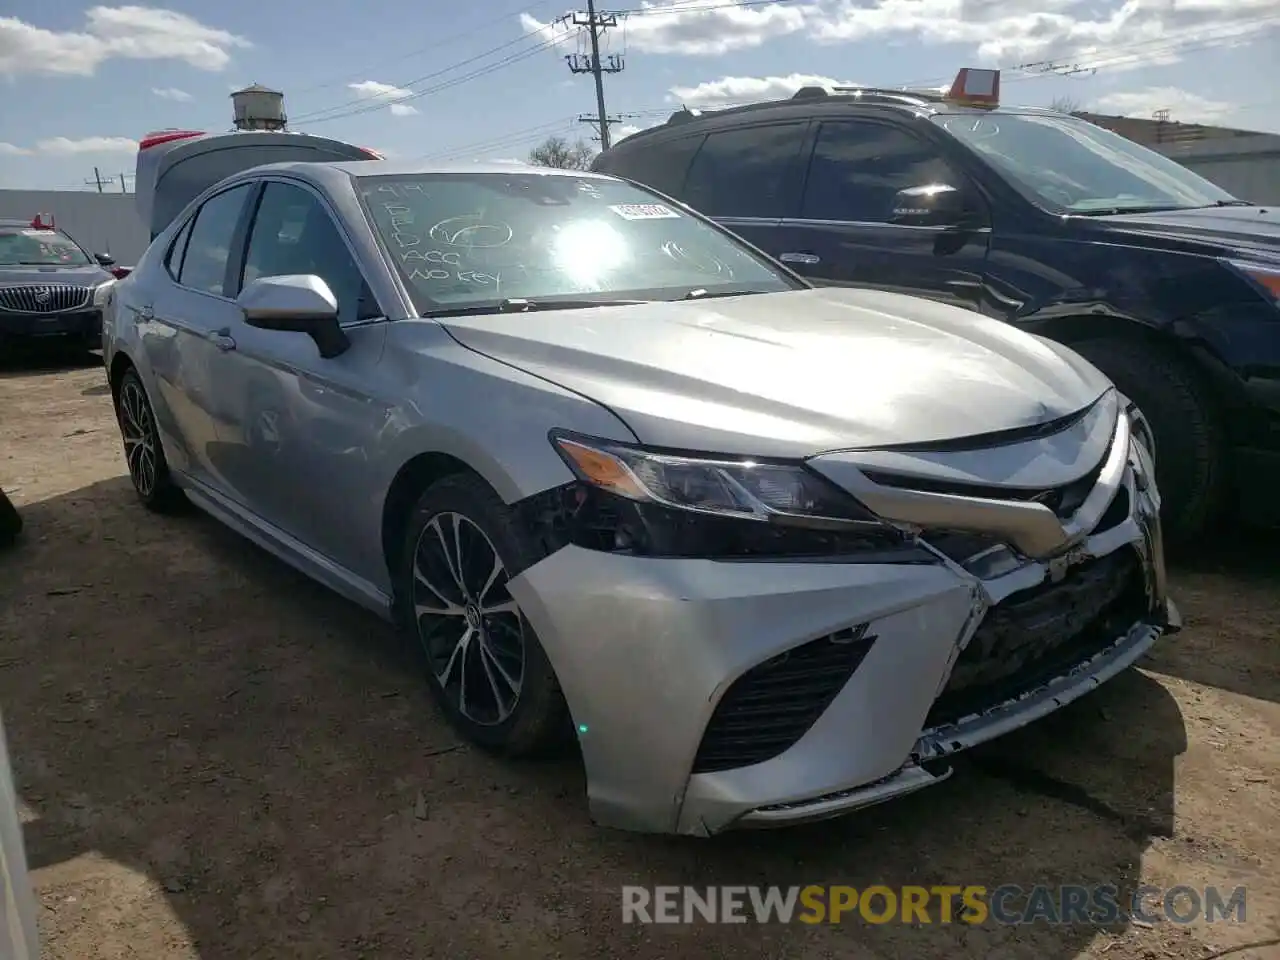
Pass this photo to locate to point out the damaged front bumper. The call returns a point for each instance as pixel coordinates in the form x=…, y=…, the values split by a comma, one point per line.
x=677, y=671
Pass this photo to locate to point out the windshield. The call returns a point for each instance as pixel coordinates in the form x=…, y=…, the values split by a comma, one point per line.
x=24, y=245
x=1078, y=167
x=479, y=238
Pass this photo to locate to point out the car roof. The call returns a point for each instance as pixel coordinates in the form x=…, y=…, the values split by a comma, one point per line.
x=917, y=102
x=362, y=169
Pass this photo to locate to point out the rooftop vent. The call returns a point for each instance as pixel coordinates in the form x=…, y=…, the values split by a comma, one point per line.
x=258, y=108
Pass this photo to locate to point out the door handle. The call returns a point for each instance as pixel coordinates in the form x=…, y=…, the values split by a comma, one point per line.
x=223, y=340
x=800, y=258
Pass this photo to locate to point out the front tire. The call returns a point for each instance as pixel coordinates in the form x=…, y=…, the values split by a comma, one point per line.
x=483, y=661
x=143, y=453
x=1191, y=448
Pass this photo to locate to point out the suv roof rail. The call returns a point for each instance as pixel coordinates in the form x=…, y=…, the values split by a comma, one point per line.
x=872, y=94
x=904, y=97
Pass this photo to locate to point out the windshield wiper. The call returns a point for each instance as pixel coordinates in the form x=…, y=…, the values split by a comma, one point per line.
x=521, y=305
x=701, y=294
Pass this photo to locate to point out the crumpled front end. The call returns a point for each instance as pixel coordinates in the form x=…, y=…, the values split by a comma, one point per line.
x=711, y=695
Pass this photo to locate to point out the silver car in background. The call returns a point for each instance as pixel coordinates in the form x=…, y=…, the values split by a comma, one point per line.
x=771, y=553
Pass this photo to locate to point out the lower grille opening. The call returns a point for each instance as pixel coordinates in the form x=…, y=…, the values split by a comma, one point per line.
x=1041, y=633
x=774, y=704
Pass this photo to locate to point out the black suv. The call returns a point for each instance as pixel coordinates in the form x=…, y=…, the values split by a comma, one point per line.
x=1164, y=281
x=49, y=285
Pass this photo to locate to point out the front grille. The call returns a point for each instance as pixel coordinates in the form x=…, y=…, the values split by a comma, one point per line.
x=774, y=704
x=1041, y=633
x=44, y=298
x=1064, y=501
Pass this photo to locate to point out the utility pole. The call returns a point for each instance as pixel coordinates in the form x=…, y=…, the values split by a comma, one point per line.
x=97, y=178
x=595, y=25
x=123, y=187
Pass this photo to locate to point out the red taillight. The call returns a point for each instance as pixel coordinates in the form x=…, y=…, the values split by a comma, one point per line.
x=167, y=136
x=121, y=272
x=371, y=153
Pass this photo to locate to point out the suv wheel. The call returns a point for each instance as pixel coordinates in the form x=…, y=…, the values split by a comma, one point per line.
x=1191, y=450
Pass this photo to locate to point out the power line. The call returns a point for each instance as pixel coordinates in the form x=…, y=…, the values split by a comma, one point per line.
x=454, y=38
x=359, y=105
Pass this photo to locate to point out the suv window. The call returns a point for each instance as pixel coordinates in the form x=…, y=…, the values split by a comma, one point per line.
x=743, y=172
x=209, y=246
x=858, y=168
x=662, y=165
x=293, y=233
x=173, y=260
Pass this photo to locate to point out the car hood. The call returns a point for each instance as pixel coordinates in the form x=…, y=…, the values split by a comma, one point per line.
x=794, y=374
x=85, y=274
x=1245, y=229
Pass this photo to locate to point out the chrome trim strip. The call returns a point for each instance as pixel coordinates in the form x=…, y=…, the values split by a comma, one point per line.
x=1031, y=528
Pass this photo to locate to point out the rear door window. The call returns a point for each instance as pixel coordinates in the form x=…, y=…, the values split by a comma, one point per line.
x=662, y=165
x=744, y=172
x=204, y=267
x=173, y=260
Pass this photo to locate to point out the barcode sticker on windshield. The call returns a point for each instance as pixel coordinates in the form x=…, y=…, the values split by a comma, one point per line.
x=644, y=211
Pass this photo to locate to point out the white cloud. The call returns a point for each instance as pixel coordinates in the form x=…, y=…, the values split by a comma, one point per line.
x=1183, y=105
x=114, y=33
x=171, y=93
x=734, y=90
x=1115, y=34
x=373, y=90
x=65, y=145
x=695, y=27
x=12, y=150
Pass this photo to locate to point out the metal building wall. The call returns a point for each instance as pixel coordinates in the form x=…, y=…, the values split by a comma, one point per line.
x=101, y=222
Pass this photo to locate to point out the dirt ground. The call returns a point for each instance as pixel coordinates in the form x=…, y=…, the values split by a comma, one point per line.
x=219, y=759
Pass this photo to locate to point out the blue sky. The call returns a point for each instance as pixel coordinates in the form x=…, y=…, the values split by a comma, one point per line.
x=82, y=82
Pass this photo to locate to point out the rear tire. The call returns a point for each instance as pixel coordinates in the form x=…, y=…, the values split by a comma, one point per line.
x=143, y=453
x=483, y=661
x=1191, y=447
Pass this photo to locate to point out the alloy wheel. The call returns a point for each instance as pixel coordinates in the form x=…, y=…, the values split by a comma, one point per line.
x=137, y=428
x=470, y=627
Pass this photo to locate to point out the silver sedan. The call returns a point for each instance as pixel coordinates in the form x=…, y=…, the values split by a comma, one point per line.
x=770, y=553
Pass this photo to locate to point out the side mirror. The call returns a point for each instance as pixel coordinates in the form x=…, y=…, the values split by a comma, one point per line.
x=298, y=303
x=105, y=259
x=932, y=205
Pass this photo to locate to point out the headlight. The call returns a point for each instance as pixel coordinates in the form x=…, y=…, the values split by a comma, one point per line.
x=1264, y=276
x=102, y=294
x=653, y=503
x=746, y=489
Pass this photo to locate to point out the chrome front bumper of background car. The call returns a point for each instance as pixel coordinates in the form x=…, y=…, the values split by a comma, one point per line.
x=646, y=650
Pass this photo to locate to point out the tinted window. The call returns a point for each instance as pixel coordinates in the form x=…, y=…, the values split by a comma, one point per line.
x=661, y=165
x=1074, y=165
x=743, y=173
x=205, y=265
x=294, y=234
x=475, y=239
x=858, y=168
x=173, y=261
